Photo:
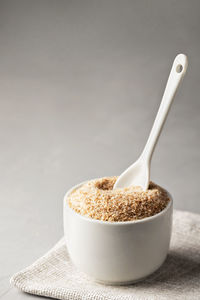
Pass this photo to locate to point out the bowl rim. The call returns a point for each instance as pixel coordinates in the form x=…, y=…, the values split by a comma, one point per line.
x=147, y=219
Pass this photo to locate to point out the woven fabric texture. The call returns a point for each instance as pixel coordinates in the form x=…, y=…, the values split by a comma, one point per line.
x=53, y=275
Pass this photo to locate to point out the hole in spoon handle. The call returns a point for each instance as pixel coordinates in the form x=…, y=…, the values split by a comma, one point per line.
x=179, y=68
x=180, y=64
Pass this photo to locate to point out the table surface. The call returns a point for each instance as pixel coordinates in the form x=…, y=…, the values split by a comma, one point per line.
x=80, y=85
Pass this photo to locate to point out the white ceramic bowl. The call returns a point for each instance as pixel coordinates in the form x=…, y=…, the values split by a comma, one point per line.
x=117, y=252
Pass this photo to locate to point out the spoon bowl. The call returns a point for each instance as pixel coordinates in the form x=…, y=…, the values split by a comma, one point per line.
x=137, y=173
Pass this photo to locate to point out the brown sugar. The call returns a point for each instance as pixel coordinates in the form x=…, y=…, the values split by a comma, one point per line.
x=97, y=199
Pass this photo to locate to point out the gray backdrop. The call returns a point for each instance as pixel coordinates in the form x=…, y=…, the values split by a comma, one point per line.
x=80, y=85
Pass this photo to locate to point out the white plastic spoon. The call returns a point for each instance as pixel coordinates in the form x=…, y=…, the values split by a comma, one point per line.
x=138, y=174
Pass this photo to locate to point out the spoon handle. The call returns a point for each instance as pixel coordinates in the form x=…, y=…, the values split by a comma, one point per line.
x=178, y=70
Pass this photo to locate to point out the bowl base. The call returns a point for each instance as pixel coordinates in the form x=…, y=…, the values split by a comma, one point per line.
x=130, y=282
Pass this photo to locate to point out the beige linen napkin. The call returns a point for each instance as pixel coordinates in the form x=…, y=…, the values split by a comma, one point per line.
x=53, y=275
